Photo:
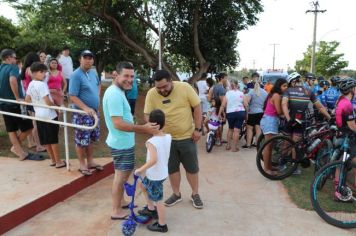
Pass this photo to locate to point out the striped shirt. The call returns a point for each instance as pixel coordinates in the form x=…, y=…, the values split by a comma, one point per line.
x=298, y=100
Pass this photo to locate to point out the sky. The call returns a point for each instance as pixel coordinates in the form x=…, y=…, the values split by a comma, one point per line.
x=285, y=23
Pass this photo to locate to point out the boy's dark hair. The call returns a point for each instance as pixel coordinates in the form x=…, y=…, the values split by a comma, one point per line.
x=66, y=47
x=124, y=65
x=210, y=82
x=6, y=53
x=204, y=76
x=37, y=66
x=162, y=74
x=255, y=74
x=157, y=116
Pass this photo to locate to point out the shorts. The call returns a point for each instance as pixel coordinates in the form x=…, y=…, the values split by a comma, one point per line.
x=47, y=132
x=269, y=124
x=154, y=189
x=185, y=152
x=293, y=130
x=236, y=119
x=204, y=104
x=13, y=123
x=82, y=137
x=254, y=119
x=123, y=159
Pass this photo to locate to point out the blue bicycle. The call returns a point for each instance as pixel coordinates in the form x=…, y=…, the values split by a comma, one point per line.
x=331, y=192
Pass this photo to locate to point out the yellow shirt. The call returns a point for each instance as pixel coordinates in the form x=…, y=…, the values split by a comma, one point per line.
x=177, y=107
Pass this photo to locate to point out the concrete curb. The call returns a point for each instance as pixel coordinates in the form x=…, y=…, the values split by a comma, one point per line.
x=25, y=212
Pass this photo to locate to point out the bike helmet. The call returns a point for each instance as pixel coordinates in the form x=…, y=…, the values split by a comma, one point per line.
x=310, y=76
x=346, y=84
x=293, y=76
x=323, y=83
x=335, y=80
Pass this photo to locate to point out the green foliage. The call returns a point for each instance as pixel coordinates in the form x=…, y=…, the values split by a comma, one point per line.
x=328, y=62
x=219, y=23
x=127, y=30
x=7, y=33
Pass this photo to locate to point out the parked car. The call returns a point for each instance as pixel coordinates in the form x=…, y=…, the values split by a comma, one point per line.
x=273, y=75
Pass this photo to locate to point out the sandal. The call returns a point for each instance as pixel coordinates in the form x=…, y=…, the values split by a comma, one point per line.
x=85, y=172
x=52, y=164
x=97, y=167
x=64, y=164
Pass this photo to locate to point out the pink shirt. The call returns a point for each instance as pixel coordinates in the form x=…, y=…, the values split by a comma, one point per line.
x=26, y=81
x=270, y=109
x=55, y=82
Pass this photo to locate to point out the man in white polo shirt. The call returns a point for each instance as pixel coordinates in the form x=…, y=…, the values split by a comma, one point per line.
x=67, y=65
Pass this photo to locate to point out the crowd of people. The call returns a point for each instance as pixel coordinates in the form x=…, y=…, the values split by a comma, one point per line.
x=176, y=114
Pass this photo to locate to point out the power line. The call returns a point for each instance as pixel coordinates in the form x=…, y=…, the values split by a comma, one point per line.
x=315, y=11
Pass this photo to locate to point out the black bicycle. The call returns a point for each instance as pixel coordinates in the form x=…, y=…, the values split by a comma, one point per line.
x=331, y=193
x=286, y=155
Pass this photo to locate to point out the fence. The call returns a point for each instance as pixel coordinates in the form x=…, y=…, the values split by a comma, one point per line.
x=63, y=123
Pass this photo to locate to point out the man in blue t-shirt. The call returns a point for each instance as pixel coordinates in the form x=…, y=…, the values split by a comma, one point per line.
x=10, y=88
x=132, y=95
x=121, y=136
x=84, y=92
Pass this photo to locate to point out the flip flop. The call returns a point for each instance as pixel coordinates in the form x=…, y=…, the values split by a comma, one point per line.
x=97, y=167
x=120, y=218
x=63, y=165
x=52, y=164
x=34, y=157
x=85, y=172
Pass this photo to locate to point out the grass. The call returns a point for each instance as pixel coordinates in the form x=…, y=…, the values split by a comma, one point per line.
x=298, y=187
x=100, y=148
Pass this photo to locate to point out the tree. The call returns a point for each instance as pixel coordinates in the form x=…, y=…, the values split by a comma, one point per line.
x=8, y=32
x=201, y=33
x=328, y=62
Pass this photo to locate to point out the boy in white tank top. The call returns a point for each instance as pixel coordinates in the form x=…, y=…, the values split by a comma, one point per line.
x=156, y=168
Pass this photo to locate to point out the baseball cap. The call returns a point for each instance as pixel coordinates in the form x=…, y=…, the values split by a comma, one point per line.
x=86, y=53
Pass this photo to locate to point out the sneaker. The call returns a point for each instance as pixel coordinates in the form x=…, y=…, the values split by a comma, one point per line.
x=246, y=147
x=218, y=142
x=172, y=200
x=157, y=227
x=147, y=212
x=197, y=202
x=297, y=172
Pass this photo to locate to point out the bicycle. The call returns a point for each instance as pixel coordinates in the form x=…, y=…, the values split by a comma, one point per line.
x=287, y=154
x=211, y=137
x=330, y=194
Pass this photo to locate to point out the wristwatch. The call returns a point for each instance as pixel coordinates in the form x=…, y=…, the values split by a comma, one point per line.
x=197, y=129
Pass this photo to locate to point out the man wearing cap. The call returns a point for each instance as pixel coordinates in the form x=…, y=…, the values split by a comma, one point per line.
x=10, y=88
x=67, y=65
x=84, y=92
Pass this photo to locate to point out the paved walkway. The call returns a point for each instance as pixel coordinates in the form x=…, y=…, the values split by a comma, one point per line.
x=238, y=201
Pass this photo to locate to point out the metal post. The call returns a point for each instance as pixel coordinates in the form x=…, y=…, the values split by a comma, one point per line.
x=160, y=44
x=315, y=11
x=66, y=139
x=274, y=54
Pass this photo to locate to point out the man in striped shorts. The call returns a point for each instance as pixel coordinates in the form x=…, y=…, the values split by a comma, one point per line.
x=121, y=136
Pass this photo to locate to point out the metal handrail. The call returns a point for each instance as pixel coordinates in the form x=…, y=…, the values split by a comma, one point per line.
x=48, y=120
x=64, y=123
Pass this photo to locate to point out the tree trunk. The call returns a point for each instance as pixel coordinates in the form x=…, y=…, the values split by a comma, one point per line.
x=124, y=38
x=203, y=64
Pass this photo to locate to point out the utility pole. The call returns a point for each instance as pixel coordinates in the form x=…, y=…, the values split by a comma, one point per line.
x=160, y=43
x=315, y=11
x=274, y=53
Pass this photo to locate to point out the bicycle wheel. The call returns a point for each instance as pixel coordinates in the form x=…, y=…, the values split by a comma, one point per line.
x=281, y=157
x=340, y=213
x=210, y=142
x=323, y=155
x=260, y=141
